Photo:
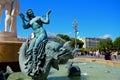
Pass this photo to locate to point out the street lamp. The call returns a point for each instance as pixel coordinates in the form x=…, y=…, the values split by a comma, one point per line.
x=74, y=25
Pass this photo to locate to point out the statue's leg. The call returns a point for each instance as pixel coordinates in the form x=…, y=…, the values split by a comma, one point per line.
x=7, y=22
x=13, y=24
x=8, y=16
x=38, y=52
x=39, y=46
x=40, y=38
x=1, y=10
x=14, y=14
x=31, y=46
x=15, y=8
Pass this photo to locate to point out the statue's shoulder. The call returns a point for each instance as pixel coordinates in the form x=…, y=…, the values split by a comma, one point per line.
x=35, y=19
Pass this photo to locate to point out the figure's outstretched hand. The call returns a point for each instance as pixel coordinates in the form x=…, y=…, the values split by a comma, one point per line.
x=49, y=11
x=22, y=15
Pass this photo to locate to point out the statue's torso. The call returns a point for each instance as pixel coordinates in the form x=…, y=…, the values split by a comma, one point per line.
x=36, y=25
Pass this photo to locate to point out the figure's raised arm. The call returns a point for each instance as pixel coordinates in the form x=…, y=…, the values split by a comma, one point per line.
x=23, y=21
x=46, y=20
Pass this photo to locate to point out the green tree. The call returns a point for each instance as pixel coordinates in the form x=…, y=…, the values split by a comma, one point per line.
x=105, y=44
x=67, y=38
x=95, y=48
x=116, y=43
x=79, y=43
x=63, y=36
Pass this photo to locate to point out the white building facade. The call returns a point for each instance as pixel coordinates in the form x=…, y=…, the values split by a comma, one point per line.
x=90, y=42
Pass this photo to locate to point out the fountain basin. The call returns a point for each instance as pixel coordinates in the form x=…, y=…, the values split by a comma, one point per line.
x=89, y=71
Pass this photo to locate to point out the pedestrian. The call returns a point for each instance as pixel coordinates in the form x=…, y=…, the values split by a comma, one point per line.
x=107, y=55
x=115, y=55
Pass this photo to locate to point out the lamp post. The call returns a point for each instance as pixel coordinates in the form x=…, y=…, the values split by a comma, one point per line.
x=74, y=25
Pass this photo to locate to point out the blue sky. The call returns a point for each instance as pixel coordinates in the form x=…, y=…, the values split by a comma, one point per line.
x=96, y=18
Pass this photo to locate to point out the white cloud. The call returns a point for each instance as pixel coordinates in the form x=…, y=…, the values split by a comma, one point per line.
x=51, y=34
x=54, y=34
x=105, y=36
x=67, y=33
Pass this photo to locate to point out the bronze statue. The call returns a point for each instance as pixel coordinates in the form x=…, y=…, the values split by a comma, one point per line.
x=36, y=56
